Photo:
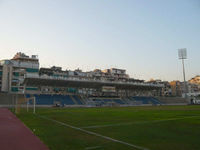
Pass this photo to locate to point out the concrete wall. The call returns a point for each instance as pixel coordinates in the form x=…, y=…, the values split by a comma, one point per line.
x=173, y=100
x=6, y=78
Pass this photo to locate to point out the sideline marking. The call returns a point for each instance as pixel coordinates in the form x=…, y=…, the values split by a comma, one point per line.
x=139, y=122
x=95, y=147
x=93, y=133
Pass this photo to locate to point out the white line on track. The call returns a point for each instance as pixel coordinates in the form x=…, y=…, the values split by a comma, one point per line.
x=138, y=122
x=93, y=133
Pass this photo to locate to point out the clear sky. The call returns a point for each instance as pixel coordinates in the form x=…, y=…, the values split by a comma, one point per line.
x=141, y=36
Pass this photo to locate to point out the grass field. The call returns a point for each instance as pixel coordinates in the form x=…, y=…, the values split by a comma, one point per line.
x=153, y=128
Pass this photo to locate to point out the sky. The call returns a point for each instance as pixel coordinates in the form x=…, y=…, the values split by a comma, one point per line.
x=140, y=36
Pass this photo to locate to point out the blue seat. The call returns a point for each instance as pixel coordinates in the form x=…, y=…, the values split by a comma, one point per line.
x=119, y=101
x=43, y=100
x=145, y=100
x=67, y=100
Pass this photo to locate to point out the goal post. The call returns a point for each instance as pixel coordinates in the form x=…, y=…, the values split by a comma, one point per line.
x=24, y=102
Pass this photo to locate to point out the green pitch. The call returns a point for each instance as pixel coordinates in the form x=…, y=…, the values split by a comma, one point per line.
x=130, y=128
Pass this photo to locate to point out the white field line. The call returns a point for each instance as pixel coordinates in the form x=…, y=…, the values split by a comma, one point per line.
x=93, y=133
x=138, y=122
x=95, y=147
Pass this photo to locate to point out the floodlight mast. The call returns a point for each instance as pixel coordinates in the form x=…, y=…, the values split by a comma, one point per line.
x=182, y=53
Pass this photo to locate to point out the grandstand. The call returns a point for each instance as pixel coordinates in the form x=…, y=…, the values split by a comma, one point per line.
x=22, y=77
x=76, y=100
x=65, y=92
x=93, y=92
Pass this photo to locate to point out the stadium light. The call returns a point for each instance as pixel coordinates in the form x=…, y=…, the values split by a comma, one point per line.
x=182, y=54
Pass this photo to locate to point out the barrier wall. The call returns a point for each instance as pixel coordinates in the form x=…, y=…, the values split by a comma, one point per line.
x=173, y=100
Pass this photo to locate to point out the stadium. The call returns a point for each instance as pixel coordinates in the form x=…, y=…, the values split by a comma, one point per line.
x=99, y=75
x=23, y=79
x=100, y=109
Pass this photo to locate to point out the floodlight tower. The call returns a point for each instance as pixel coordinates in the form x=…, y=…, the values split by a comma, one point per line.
x=182, y=53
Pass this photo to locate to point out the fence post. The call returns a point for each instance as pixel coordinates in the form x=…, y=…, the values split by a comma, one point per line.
x=34, y=105
x=27, y=105
x=16, y=103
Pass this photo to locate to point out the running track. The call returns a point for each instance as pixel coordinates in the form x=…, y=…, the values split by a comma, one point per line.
x=14, y=135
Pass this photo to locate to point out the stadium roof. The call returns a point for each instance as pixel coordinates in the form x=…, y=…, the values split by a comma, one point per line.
x=84, y=83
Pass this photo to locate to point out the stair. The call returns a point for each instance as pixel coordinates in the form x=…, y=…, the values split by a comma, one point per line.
x=81, y=99
x=73, y=99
